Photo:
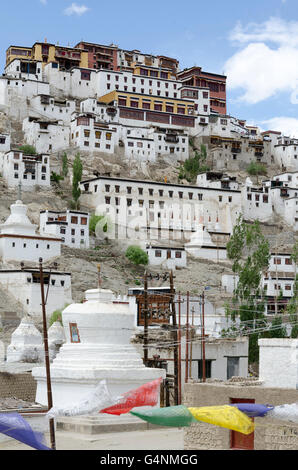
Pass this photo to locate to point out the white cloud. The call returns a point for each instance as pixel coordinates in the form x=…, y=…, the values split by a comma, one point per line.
x=260, y=69
x=75, y=9
x=286, y=125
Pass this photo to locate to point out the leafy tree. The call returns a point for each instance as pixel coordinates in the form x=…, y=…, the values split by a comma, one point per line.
x=56, y=316
x=28, y=149
x=64, y=165
x=136, y=255
x=55, y=177
x=291, y=309
x=77, y=176
x=249, y=251
x=195, y=165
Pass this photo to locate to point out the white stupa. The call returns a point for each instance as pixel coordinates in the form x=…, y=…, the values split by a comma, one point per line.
x=97, y=347
x=19, y=240
x=56, y=338
x=202, y=246
x=26, y=343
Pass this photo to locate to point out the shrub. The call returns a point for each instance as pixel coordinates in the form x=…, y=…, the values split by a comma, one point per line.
x=28, y=149
x=136, y=255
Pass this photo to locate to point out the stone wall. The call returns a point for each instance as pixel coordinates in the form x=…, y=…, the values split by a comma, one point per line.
x=21, y=386
x=269, y=434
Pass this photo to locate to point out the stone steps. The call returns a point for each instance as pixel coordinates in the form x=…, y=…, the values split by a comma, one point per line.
x=102, y=424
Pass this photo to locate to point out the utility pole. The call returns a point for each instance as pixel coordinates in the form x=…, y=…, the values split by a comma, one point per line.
x=192, y=324
x=203, y=338
x=47, y=359
x=186, y=337
x=179, y=343
x=145, y=319
x=175, y=338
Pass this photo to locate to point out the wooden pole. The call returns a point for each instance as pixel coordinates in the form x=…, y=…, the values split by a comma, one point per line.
x=175, y=340
x=47, y=359
x=203, y=337
x=145, y=319
x=179, y=351
x=186, y=337
x=192, y=324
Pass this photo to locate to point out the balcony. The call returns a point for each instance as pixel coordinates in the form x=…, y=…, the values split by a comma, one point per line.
x=284, y=193
x=236, y=149
x=172, y=138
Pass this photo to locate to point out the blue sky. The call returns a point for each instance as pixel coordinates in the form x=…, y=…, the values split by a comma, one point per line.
x=255, y=43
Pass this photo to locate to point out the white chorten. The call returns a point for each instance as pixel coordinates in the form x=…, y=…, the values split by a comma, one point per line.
x=26, y=343
x=19, y=240
x=97, y=347
x=202, y=246
x=56, y=338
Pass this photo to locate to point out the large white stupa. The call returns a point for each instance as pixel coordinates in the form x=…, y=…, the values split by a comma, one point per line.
x=97, y=347
x=19, y=240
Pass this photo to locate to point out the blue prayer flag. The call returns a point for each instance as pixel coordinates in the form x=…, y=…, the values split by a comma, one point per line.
x=15, y=426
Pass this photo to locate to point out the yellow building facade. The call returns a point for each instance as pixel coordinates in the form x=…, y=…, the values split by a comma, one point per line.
x=67, y=57
x=149, y=102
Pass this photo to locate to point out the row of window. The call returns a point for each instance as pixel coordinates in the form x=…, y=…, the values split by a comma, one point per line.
x=25, y=245
x=279, y=287
x=161, y=192
x=158, y=254
x=152, y=74
x=257, y=198
x=25, y=176
x=73, y=220
x=73, y=231
x=168, y=108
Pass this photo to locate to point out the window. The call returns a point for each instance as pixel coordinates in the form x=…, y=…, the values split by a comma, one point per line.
x=157, y=254
x=277, y=261
x=220, y=198
x=288, y=261
x=208, y=364
x=128, y=189
x=178, y=254
x=287, y=287
x=107, y=200
x=73, y=231
x=107, y=188
x=74, y=219
x=108, y=136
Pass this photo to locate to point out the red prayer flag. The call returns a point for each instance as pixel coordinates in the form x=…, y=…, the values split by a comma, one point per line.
x=146, y=395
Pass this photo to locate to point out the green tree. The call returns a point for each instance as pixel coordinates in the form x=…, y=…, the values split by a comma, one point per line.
x=136, y=255
x=292, y=309
x=249, y=251
x=64, y=165
x=77, y=176
x=28, y=149
x=195, y=165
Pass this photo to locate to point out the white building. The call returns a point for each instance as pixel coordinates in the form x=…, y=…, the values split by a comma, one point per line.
x=20, y=242
x=71, y=226
x=29, y=170
x=4, y=142
x=23, y=68
x=286, y=153
x=277, y=283
x=88, y=134
x=52, y=108
x=47, y=136
x=167, y=257
x=153, y=210
x=24, y=285
x=278, y=363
